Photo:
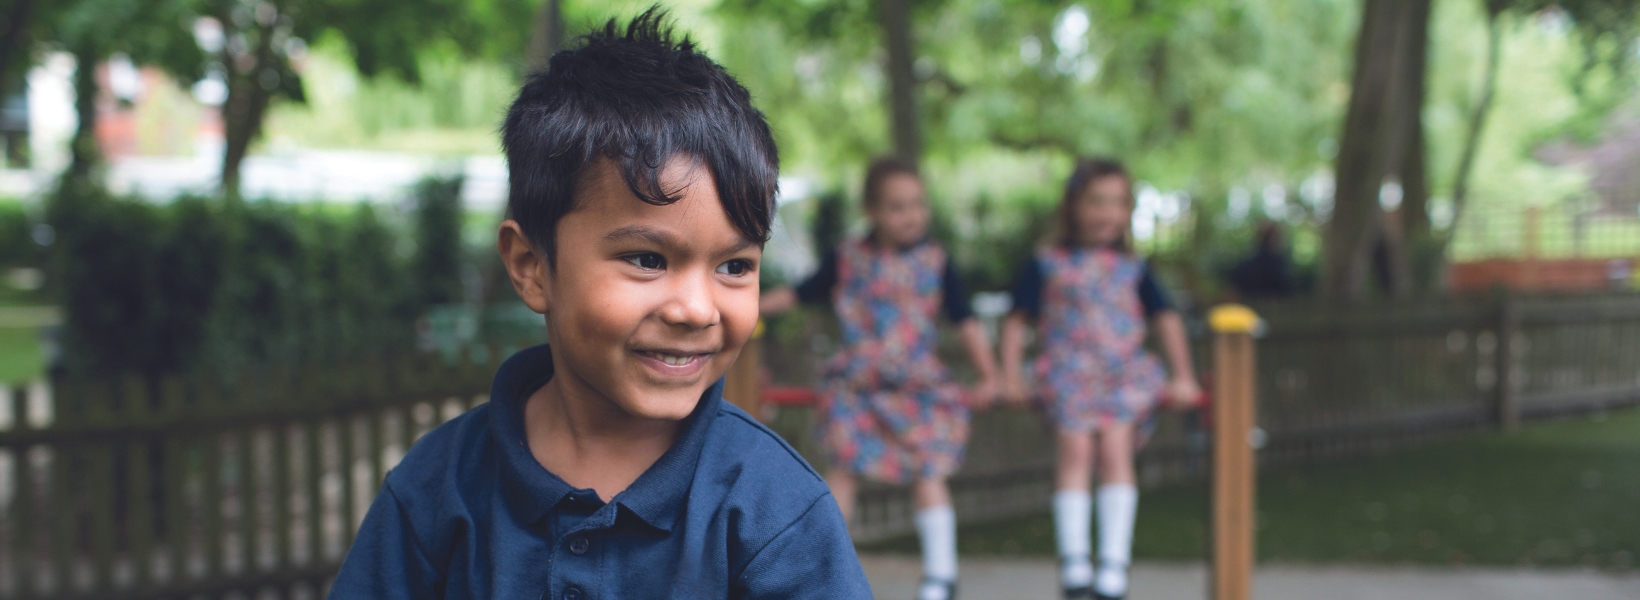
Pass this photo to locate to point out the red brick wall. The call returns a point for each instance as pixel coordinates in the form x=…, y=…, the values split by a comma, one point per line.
x=1563, y=275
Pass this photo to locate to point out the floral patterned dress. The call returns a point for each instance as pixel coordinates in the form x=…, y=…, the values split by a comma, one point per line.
x=1093, y=370
x=889, y=409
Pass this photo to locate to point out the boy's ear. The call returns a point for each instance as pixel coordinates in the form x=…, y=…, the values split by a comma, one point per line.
x=526, y=266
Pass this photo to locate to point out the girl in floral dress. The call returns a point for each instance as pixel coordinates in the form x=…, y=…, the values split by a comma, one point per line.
x=888, y=409
x=1090, y=298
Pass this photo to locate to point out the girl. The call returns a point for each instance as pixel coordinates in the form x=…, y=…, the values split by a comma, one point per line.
x=1090, y=298
x=888, y=409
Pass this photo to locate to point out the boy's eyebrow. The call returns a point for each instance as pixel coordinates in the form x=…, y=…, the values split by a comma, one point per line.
x=664, y=238
x=648, y=234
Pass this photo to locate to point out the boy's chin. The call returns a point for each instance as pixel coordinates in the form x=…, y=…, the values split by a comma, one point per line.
x=663, y=404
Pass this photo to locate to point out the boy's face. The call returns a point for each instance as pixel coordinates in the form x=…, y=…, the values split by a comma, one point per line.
x=900, y=214
x=646, y=305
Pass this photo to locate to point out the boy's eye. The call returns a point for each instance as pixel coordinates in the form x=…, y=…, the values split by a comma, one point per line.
x=739, y=266
x=648, y=261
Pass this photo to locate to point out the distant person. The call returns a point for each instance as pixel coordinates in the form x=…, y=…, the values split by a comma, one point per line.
x=1268, y=273
x=1090, y=298
x=889, y=410
x=606, y=464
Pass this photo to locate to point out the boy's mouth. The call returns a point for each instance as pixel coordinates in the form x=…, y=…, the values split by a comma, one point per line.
x=675, y=363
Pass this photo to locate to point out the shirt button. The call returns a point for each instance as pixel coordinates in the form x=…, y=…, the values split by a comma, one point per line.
x=572, y=593
x=579, y=545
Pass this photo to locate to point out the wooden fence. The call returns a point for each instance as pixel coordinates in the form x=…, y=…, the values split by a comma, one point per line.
x=180, y=488
x=185, y=488
x=1332, y=382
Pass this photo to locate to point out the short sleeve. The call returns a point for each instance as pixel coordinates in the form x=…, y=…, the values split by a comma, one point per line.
x=1152, y=296
x=1027, y=291
x=812, y=558
x=818, y=287
x=386, y=560
x=954, y=295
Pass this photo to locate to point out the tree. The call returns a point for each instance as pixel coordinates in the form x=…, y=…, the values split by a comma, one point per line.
x=260, y=38
x=895, y=18
x=1381, y=135
x=93, y=30
x=14, y=36
x=547, y=37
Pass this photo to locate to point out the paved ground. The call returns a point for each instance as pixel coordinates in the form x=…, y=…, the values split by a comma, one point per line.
x=894, y=577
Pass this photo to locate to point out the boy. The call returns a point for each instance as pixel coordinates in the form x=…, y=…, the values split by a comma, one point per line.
x=608, y=466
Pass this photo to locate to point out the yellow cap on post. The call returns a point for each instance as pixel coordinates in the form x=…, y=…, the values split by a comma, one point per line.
x=1232, y=318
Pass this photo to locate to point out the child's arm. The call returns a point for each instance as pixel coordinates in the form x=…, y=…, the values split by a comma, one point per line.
x=1013, y=358
x=1182, y=389
x=1027, y=304
x=955, y=301
x=978, y=345
x=814, y=289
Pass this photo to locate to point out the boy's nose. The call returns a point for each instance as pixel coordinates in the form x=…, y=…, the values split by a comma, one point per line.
x=691, y=304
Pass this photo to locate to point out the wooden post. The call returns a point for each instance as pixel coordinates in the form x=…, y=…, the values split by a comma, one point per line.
x=741, y=385
x=1531, y=248
x=1234, y=431
x=1507, y=403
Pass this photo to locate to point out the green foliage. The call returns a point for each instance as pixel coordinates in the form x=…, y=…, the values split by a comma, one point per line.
x=437, y=264
x=196, y=284
x=17, y=247
x=455, y=108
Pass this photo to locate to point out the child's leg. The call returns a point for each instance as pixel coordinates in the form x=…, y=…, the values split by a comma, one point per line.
x=1073, y=508
x=843, y=486
x=937, y=531
x=1118, y=502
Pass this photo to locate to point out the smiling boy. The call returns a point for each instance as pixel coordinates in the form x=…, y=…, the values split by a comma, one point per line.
x=606, y=464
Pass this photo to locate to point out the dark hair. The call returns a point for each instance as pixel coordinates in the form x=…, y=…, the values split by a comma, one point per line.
x=880, y=170
x=637, y=98
x=1087, y=171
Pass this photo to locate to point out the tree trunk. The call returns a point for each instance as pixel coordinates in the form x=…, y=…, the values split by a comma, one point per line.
x=1411, y=270
x=12, y=38
x=249, y=95
x=1477, y=123
x=83, y=154
x=547, y=35
x=895, y=18
x=1373, y=145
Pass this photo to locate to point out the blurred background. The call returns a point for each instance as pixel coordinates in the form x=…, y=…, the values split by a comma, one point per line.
x=246, y=257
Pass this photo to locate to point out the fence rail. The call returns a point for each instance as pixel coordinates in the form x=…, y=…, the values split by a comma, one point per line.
x=178, y=488
x=182, y=488
x=1331, y=382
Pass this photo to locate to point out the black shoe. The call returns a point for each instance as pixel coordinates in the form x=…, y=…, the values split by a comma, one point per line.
x=950, y=587
x=1079, y=593
x=1099, y=596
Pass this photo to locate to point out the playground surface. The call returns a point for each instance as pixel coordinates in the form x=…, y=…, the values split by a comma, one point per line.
x=895, y=576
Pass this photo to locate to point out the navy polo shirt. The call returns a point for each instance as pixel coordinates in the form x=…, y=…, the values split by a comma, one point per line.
x=730, y=511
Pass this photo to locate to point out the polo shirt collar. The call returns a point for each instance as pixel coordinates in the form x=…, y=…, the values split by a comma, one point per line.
x=531, y=491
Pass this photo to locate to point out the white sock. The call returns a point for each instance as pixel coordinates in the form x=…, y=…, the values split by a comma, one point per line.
x=1118, y=504
x=937, y=530
x=1072, y=513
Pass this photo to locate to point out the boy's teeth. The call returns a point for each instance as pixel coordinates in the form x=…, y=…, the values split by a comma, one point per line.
x=676, y=361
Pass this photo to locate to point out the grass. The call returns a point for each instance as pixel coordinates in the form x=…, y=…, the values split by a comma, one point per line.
x=1558, y=494
x=21, y=358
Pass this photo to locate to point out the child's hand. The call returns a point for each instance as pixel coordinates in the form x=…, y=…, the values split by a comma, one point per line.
x=984, y=393
x=1182, y=393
